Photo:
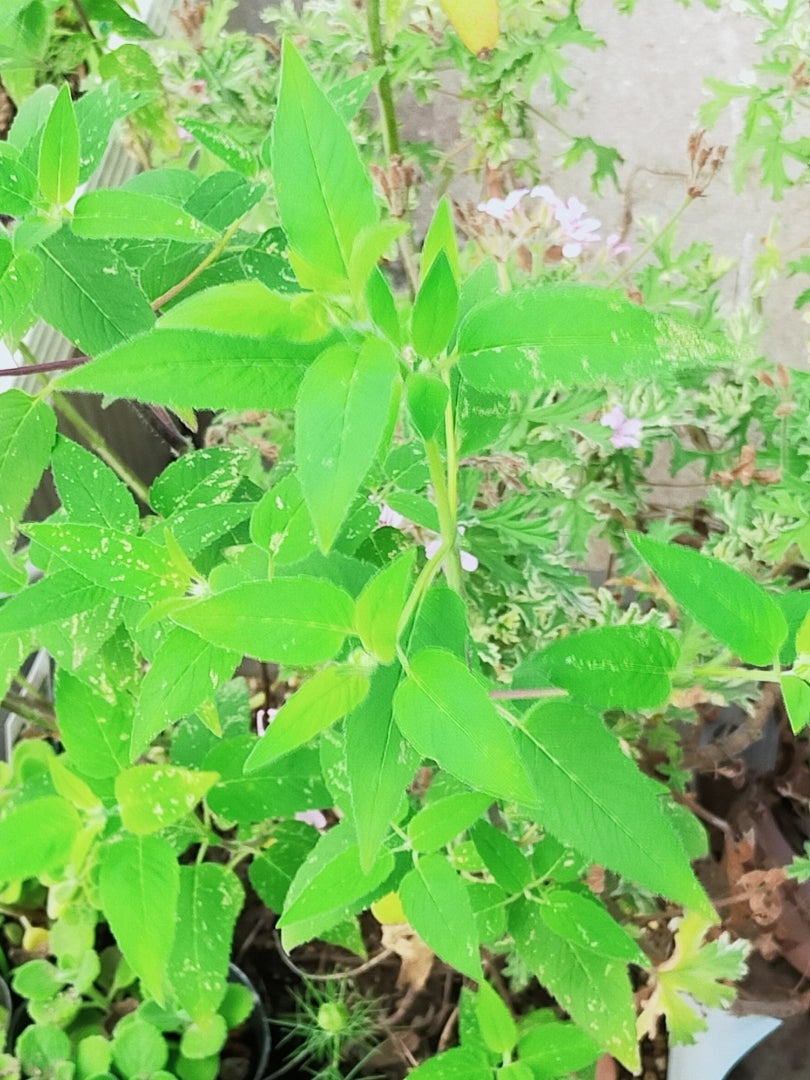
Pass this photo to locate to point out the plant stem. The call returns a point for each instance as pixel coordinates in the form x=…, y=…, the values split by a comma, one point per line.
x=446, y=509
x=212, y=256
x=98, y=445
x=648, y=247
x=384, y=91
x=529, y=694
x=38, y=369
x=35, y=714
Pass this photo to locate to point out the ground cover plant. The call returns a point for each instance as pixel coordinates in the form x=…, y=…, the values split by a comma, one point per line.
x=391, y=513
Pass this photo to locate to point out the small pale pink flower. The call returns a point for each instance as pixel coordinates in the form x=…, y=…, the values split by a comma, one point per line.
x=183, y=134
x=390, y=517
x=312, y=817
x=616, y=246
x=502, y=209
x=626, y=431
x=577, y=230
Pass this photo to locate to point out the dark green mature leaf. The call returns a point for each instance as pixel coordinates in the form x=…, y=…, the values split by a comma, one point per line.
x=573, y=335
x=436, y=903
x=445, y=713
x=87, y=294
x=95, y=731
x=27, y=431
x=342, y=415
x=36, y=838
x=503, y=858
x=199, y=369
x=211, y=897
x=139, y=883
x=128, y=565
x=297, y=620
x=330, y=885
x=59, y=151
x=610, y=667
x=593, y=797
x=329, y=695
x=89, y=490
x=583, y=921
x=323, y=191
x=435, y=310
x=116, y=213
x=594, y=990
x=732, y=607
x=379, y=764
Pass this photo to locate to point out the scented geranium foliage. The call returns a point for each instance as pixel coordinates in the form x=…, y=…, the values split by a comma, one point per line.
x=346, y=565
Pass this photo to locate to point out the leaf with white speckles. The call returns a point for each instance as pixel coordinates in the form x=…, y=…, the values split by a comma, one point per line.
x=27, y=430
x=211, y=897
x=89, y=490
x=436, y=903
x=343, y=413
x=118, y=213
x=574, y=335
x=95, y=731
x=154, y=796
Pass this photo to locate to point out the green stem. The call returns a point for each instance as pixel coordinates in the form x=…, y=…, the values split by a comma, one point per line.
x=212, y=256
x=100, y=446
x=708, y=671
x=447, y=511
x=34, y=714
x=384, y=90
x=648, y=247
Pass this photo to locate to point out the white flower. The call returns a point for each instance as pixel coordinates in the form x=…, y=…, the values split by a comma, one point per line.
x=576, y=229
x=502, y=209
x=466, y=558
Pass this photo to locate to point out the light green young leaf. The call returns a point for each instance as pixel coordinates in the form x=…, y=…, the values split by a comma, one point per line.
x=127, y=565
x=503, y=858
x=552, y=1049
x=456, y=1064
x=19, y=281
x=329, y=695
x=330, y=886
x=594, y=990
x=119, y=213
x=440, y=822
x=610, y=667
x=379, y=764
x=368, y=249
x=441, y=237
x=89, y=490
x=591, y=796
x=139, y=883
x=324, y=194
x=584, y=922
x=224, y=197
x=498, y=1029
x=250, y=307
x=59, y=151
x=427, y=403
x=436, y=903
x=296, y=620
x=731, y=606
x=96, y=112
x=523, y=341
x=342, y=415
x=27, y=431
x=199, y=369
x=88, y=294
x=379, y=607
x=18, y=185
x=152, y=797
x=435, y=310
x=795, y=693
x=210, y=899
x=281, y=523
x=49, y=825
x=95, y=731
x=446, y=714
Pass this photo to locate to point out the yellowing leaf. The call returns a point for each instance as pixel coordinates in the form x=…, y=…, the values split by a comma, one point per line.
x=475, y=22
x=388, y=909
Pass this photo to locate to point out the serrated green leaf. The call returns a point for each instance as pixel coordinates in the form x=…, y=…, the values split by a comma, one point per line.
x=127, y=565
x=273, y=869
x=594, y=990
x=498, y=1029
x=329, y=695
x=609, y=667
x=119, y=213
x=139, y=885
x=89, y=490
x=199, y=369
x=199, y=479
x=215, y=138
x=36, y=838
x=297, y=620
x=591, y=796
x=152, y=797
x=95, y=731
x=210, y=899
x=342, y=415
x=379, y=764
x=224, y=197
x=436, y=825
x=379, y=607
x=281, y=523
x=523, y=341
x=87, y=293
x=553, y=1049
x=330, y=886
x=584, y=922
x=435, y=309
x=732, y=607
x=323, y=191
x=27, y=431
x=18, y=185
x=503, y=858
x=437, y=906
x=446, y=714
x=59, y=151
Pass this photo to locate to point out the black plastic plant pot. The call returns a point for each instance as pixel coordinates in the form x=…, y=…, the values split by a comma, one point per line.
x=251, y=1040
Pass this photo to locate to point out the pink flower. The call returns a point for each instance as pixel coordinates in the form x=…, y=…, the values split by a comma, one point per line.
x=502, y=209
x=312, y=817
x=616, y=245
x=183, y=134
x=577, y=230
x=390, y=517
x=466, y=558
x=626, y=432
